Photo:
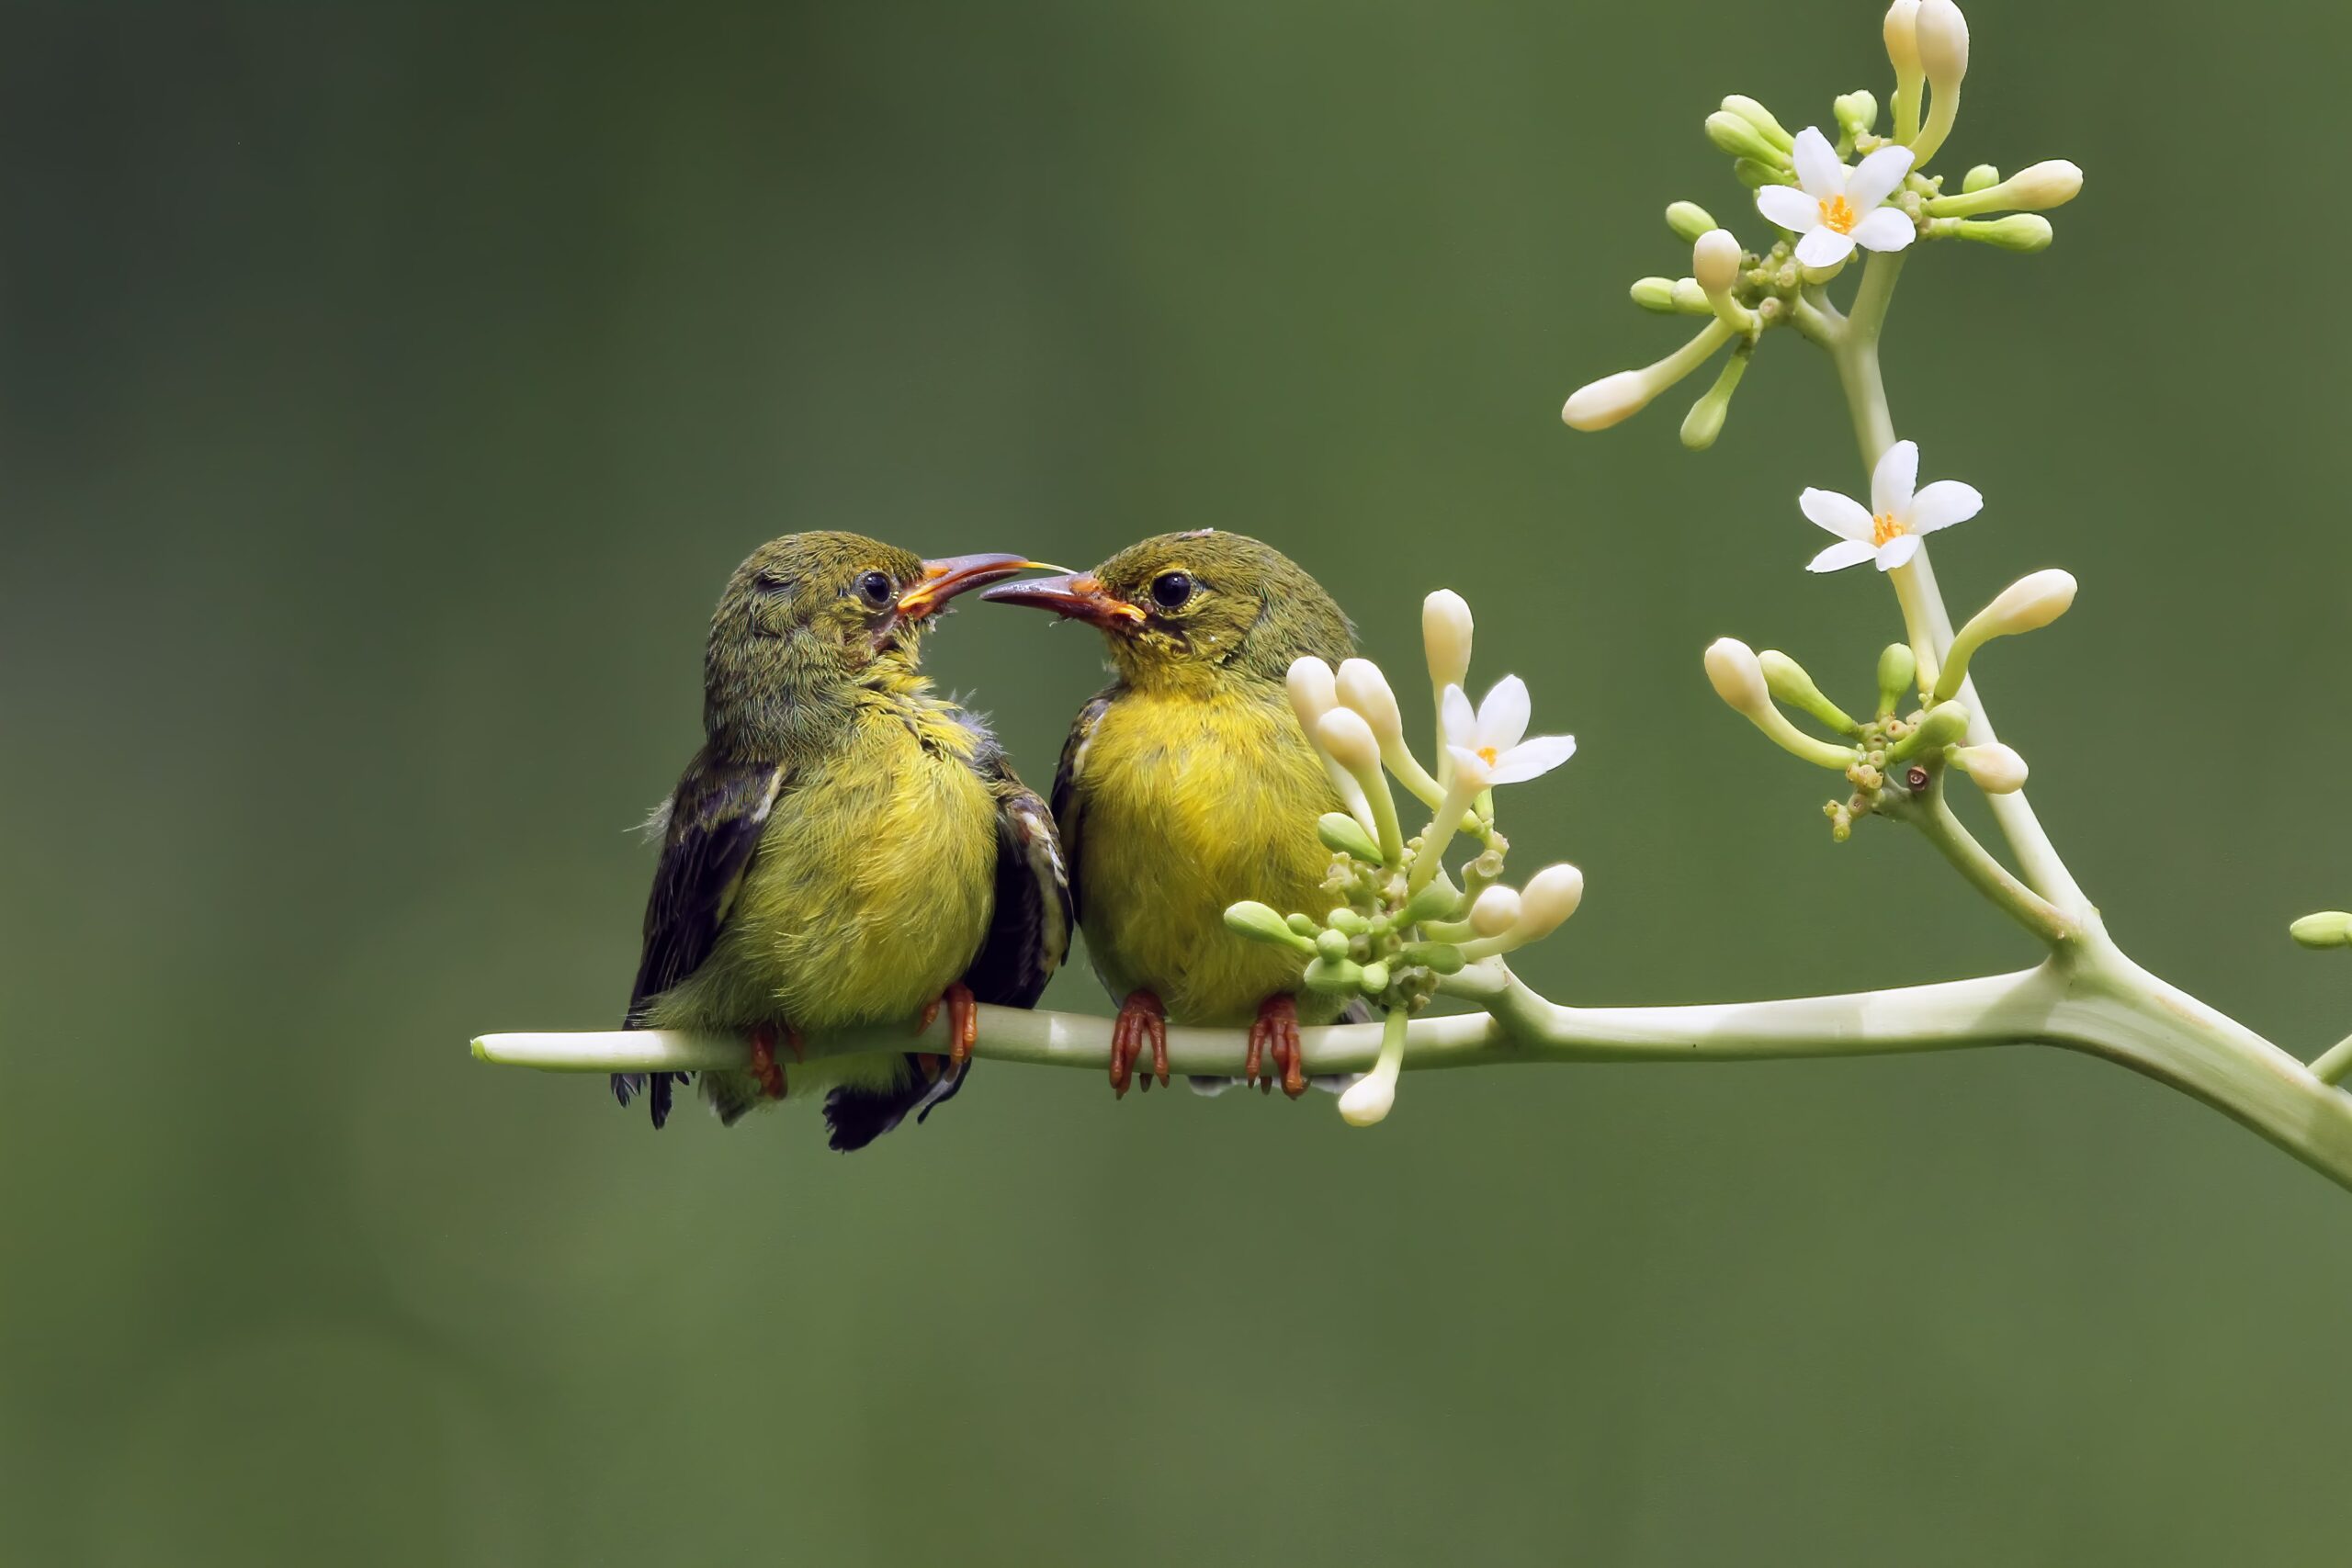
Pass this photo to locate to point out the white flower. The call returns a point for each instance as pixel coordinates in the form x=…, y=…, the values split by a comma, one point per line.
x=1487, y=745
x=1836, y=208
x=1888, y=530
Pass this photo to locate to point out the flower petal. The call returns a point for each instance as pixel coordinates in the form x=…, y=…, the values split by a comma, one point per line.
x=1943, y=503
x=1469, y=768
x=1885, y=228
x=1818, y=170
x=1843, y=553
x=1841, y=515
x=1533, y=759
x=1789, y=208
x=1502, y=717
x=1877, y=176
x=1454, y=711
x=1823, y=248
x=1892, y=480
x=1897, y=551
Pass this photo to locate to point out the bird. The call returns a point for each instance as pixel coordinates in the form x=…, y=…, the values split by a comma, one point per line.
x=1187, y=785
x=846, y=848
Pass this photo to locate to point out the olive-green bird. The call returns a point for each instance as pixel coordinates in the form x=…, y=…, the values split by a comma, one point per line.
x=846, y=848
x=1187, y=785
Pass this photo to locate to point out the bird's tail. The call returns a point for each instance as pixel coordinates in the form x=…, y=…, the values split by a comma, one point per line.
x=857, y=1116
x=657, y=1088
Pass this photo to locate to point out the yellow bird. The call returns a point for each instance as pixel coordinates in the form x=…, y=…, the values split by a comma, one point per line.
x=847, y=847
x=1187, y=785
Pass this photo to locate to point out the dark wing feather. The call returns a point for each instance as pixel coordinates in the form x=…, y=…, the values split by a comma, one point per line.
x=715, y=822
x=1066, y=774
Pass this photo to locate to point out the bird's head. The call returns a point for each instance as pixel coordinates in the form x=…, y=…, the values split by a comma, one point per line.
x=1193, y=608
x=809, y=616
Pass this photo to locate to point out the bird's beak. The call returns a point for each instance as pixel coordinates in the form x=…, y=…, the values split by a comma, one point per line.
x=942, y=579
x=1077, y=596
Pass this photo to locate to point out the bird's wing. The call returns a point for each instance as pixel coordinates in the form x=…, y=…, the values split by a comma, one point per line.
x=1066, y=776
x=715, y=822
x=1029, y=936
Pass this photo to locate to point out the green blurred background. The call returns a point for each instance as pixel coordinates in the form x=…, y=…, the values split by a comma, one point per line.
x=390, y=390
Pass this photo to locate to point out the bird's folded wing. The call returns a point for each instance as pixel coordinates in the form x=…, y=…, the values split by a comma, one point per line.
x=1067, y=775
x=1029, y=936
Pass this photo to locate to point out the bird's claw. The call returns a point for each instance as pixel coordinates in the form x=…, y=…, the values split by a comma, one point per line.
x=963, y=1021
x=764, y=1067
x=1141, y=1018
x=1276, y=1028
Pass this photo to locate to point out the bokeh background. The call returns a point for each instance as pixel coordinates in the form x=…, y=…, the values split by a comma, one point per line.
x=389, y=391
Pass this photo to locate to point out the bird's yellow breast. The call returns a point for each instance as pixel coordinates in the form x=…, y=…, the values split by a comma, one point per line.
x=1189, y=803
x=874, y=883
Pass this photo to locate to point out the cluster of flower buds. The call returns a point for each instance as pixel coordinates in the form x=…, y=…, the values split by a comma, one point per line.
x=1398, y=922
x=1824, y=211
x=1919, y=726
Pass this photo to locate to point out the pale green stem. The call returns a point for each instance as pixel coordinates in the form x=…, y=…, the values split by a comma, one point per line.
x=1926, y=621
x=2336, y=1062
x=1933, y=815
x=2088, y=998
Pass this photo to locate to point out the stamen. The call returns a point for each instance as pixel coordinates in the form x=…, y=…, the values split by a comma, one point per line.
x=1886, y=527
x=1837, y=215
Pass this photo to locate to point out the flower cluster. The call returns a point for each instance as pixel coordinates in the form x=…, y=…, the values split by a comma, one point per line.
x=1399, y=922
x=1825, y=210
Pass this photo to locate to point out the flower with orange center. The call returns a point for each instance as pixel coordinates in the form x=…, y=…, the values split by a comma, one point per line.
x=1833, y=208
x=1487, y=745
x=1887, y=531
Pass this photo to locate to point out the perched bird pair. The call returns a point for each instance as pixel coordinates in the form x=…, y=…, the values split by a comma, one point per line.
x=849, y=848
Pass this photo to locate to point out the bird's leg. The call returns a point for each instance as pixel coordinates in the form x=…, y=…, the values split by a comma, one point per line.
x=1141, y=1018
x=764, y=1067
x=1276, y=1025
x=963, y=1021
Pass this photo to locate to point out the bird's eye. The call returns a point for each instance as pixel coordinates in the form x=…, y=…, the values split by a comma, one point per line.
x=769, y=585
x=1169, y=590
x=877, y=588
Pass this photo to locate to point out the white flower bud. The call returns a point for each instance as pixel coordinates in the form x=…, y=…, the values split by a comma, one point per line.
x=1738, y=676
x=2029, y=604
x=1600, y=404
x=1714, y=261
x=1901, y=32
x=1997, y=769
x=1363, y=688
x=1496, y=911
x=1369, y=1099
x=1349, y=740
x=1313, y=690
x=1942, y=35
x=1550, y=897
x=1445, y=637
x=2052, y=183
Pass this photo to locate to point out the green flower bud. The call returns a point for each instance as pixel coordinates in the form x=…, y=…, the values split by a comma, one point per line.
x=1332, y=945
x=1733, y=135
x=1760, y=116
x=1347, y=921
x=1655, y=294
x=1755, y=174
x=1791, y=685
x=1984, y=176
x=1333, y=974
x=1945, y=725
x=2024, y=233
x=1260, y=923
x=1435, y=902
x=1855, y=112
x=1705, y=420
x=1688, y=219
x=1898, y=667
x=1374, y=979
x=2329, y=928
x=1304, y=925
x=1443, y=958
x=1342, y=834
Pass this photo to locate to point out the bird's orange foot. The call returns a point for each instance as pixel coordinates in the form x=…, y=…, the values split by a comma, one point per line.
x=764, y=1067
x=963, y=1021
x=1276, y=1029
x=1141, y=1018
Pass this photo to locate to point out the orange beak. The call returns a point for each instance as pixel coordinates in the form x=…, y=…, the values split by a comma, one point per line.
x=944, y=579
x=1077, y=596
